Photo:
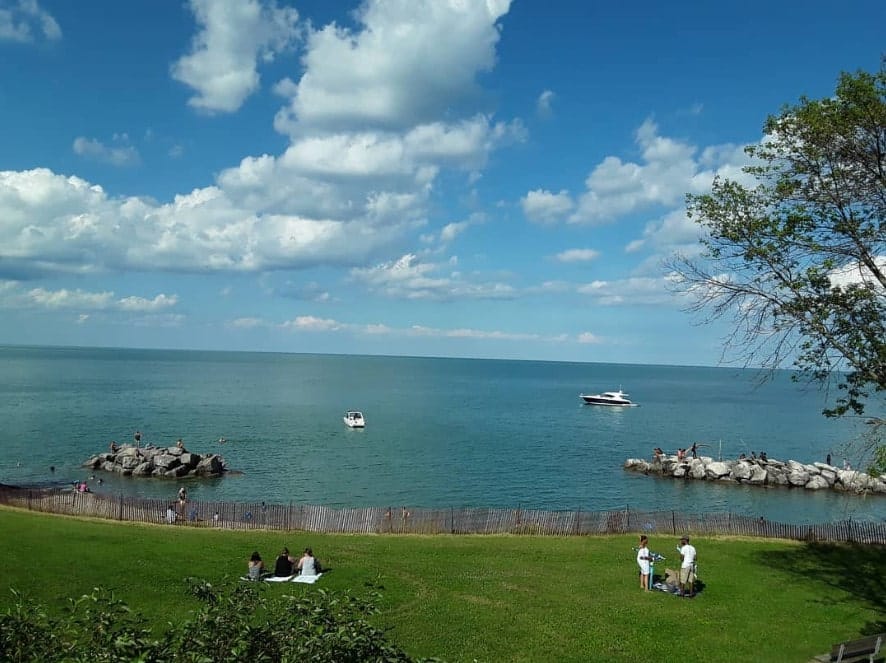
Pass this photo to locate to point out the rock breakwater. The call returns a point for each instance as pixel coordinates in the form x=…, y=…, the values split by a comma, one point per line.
x=170, y=462
x=770, y=472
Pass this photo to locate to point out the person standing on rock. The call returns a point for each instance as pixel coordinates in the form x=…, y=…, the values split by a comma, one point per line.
x=138, y=439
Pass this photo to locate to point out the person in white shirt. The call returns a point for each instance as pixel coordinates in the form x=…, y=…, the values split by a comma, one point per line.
x=643, y=558
x=688, y=558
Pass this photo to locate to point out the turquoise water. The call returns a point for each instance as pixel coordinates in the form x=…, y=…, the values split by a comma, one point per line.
x=440, y=432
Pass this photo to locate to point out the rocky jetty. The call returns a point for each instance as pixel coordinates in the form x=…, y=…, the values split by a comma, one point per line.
x=770, y=472
x=170, y=462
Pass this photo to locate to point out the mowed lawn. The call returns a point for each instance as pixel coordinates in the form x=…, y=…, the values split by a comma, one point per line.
x=486, y=598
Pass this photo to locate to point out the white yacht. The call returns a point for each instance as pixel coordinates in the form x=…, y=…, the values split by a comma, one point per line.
x=354, y=419
x=619, y=398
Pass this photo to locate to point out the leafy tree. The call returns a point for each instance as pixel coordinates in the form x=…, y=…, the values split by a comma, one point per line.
x=794, y=251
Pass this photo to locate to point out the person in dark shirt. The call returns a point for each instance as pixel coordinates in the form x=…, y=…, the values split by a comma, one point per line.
x=285, y=564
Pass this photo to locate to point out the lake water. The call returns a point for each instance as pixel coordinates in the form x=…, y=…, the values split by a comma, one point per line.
x=440, y=432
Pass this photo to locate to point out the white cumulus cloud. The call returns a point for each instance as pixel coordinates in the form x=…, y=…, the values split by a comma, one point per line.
x=542, y=206
x=234, y=37
x=406, y=60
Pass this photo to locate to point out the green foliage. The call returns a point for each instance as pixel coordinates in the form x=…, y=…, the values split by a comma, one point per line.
x=795, y=251
x=878, y=464
x=239, y=623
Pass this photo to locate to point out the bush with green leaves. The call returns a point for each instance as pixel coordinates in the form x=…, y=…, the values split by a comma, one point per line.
x=235, y=623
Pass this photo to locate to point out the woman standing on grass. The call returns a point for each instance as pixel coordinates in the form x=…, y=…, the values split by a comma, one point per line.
x=643, y=558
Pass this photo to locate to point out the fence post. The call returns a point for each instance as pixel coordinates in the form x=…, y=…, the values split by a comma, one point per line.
x=120, y=510
x=674, y=522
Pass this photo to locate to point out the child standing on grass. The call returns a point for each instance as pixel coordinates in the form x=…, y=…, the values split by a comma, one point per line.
x=643, y=558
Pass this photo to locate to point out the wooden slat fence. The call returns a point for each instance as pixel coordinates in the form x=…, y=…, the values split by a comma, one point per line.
x=380, y=520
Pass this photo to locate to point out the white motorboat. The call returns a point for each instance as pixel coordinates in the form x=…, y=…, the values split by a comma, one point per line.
x=618, y=398
x=354, y=419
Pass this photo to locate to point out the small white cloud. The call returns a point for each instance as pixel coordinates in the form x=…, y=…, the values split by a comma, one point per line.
x=452, y=230
x=542, y=206
x=312, y=324
x=21, y=21
x=543, y=105
x=577, y=255
x=124, y=155
x=377, y=330
x=82, y=318
x=589, y=338
x=631, y=291
x=158, y=303
x=856, y=273
x=95, y=301
x=176, y=152
x=246, y=323
x=410, y=278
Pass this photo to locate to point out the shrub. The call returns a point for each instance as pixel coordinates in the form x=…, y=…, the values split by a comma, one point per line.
x=234, y=623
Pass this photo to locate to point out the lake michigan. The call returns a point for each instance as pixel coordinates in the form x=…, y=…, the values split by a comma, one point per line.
x=439, y=433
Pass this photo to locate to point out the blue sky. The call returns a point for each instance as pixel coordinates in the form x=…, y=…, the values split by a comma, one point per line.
x=471, y=178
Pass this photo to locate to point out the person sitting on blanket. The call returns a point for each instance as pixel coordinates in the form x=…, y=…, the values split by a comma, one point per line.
x=285, y=564
x=255, y=566
x=308, y=565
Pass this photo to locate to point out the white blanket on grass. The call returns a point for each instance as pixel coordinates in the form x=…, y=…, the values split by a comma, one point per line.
x=307, y=579
x=297, y=578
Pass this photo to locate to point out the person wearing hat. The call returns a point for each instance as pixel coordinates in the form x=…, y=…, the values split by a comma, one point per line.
x=688, y=557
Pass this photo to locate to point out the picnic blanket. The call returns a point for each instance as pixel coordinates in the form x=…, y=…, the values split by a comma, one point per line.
x=310, y=580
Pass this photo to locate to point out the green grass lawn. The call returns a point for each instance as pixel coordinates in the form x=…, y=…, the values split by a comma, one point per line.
x=489, y=598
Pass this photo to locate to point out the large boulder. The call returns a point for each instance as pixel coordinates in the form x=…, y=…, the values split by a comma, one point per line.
x=777, y=477
x=166, y=461
x=93, y=463
x=759, y=475
x=798, y=476
x=143, y=470
x=853, y=480
x=177, y=471
x=130, y=462
x=816, y=482
x=741, y=470
x=717, y=469
x=210, y=466
x=190, y=459
x=697, y=469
